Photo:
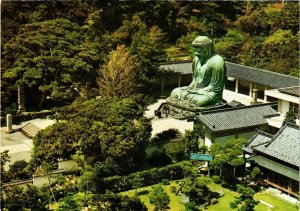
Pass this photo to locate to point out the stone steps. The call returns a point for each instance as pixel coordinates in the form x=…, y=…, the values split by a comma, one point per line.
x=30, y=130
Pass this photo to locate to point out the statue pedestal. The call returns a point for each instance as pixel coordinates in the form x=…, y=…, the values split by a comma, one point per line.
x=183, y=111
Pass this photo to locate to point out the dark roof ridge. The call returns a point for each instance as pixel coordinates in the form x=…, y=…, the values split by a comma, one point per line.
x=280, y=130
x=237, y=108
x=176, y=62
x=56, y=171
x=200, y=114
x=288, y=87
x=18, y=182
x=292, y=125
x=256, y=134
x=268, y=71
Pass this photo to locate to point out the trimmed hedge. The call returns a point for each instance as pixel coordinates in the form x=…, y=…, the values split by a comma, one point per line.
x=150, y=177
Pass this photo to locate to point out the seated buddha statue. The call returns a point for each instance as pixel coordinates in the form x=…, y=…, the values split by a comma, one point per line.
x=209, y=74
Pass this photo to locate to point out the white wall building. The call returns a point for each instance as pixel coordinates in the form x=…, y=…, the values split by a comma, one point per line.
x=288, y=100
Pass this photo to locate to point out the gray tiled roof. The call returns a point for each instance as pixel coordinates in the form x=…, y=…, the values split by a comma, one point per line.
x=178, y=67
x=291, y=91
x=258, y=139
x=258, y=76
x=236, y=118
x=285, y=145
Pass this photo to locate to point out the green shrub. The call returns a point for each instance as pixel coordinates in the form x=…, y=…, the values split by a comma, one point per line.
x=216, y=179
x=214, y=201
x=165, y=135
x=254, y=173
x=12, y=109
x=150, y=177
x=173, y=189
x=165, y=182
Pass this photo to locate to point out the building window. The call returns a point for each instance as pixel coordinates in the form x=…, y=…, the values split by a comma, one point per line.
x=271, y=99
x=230, y=84
x=295, y=108
x=295, y=186
x=283, y=181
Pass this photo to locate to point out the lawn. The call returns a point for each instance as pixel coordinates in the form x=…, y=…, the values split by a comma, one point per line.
x=223, y=203
x=273, y=200
x=175, y=203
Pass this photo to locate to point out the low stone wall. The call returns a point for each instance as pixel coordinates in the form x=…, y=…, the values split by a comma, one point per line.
x=47, y=178
x=19, y=183
x=64, y=166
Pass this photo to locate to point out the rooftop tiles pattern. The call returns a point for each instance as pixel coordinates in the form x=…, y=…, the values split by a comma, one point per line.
x=180, y=67
x=285, y=145
x=260, y=76
x=294, y=91
x=236, y=118
x=258, y=139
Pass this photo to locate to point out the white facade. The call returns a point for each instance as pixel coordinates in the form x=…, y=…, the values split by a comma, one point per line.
x=68, y=165
x=285, y=101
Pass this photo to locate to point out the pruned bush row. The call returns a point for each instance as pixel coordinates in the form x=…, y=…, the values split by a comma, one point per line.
x=149, y=177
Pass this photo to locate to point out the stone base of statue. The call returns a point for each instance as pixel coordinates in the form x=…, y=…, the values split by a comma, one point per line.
x=181, y=110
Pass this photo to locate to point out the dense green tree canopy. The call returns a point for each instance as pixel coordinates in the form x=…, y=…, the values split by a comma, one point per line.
x=4, y=158
x=228, y=153
x=111, y=129
x=111, y=201
x=57, y=47
x=31, y=197
x=46, y=54
x=118, y=77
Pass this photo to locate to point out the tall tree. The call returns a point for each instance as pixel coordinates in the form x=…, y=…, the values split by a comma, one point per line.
x=147, y=47
x=245, y=200
x=118, y=76
x=44, y=54
x=228, y=153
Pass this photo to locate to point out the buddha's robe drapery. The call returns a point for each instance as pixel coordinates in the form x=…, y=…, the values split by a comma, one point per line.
x=207, y=86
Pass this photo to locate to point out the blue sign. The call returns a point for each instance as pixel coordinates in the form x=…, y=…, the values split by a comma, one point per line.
x=201, y=157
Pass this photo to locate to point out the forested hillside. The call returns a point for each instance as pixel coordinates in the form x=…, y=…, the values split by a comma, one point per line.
x=57, y=49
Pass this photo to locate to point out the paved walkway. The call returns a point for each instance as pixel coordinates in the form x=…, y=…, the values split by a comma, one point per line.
x=19, y=145
x=162, y=124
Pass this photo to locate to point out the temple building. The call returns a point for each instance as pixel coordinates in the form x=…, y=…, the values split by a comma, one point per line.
x=277, y=157
x=221, y=125
x=241, y=80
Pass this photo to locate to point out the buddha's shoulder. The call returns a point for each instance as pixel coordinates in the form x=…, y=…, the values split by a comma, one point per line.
x=216, y=60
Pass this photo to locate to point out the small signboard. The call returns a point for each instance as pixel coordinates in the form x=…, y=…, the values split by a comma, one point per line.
x=201, y=157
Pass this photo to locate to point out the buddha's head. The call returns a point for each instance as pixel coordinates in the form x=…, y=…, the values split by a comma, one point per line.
x=204, y=48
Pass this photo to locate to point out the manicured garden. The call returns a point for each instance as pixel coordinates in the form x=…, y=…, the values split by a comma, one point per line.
x=175, y=200
x=277, y=204
x=223, y=202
